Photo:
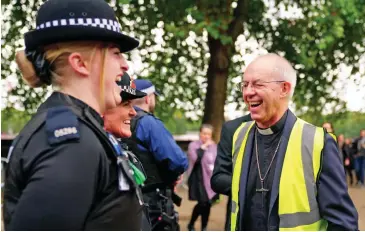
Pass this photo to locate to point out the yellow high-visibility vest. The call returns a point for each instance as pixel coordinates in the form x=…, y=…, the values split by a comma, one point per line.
x=298, y=207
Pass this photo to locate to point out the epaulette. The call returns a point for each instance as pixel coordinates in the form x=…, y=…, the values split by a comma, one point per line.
x=61, y=125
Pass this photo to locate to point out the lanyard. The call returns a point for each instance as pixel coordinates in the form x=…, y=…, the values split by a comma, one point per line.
x=116, y=145
x=138, y=175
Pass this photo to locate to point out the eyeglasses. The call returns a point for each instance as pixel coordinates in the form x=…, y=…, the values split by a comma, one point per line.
x=258, y=84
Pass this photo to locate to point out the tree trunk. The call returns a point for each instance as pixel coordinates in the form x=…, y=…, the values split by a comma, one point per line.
x=220, y=60
x=217, y=85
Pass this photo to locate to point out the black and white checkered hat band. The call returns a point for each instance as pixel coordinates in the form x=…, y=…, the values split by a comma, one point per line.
x=93, y=22
x=128, y=89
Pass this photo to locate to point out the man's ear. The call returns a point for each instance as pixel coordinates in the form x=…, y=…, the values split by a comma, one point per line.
x=147, y=99
x=285, y=89
x=78, y=64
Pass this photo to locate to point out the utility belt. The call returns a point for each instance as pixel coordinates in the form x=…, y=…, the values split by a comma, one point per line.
x=161, y=189
x=152, y=187
x=159, y=200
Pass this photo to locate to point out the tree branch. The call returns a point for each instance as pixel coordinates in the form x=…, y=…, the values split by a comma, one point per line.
x=239, y=17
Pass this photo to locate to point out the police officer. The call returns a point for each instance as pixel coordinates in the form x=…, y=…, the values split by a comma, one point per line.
x=117, y=122
x=64, y=171
x=162, y=159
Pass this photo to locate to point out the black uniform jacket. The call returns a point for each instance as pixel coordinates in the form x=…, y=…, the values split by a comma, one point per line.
x=221, y=180
x=63, y=178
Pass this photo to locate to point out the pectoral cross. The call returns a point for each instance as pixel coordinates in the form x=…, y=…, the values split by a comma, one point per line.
x=262, y=189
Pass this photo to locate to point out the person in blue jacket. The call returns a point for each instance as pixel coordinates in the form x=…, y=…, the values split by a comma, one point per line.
x=162, y=159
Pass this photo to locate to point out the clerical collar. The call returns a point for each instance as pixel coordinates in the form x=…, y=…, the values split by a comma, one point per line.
x=274, y=128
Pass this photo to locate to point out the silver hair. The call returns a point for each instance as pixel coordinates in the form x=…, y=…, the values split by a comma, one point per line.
x=285, y=70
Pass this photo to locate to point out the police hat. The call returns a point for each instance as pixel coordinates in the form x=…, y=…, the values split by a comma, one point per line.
x=77, y=20
x=146, y=86
x=129, y=90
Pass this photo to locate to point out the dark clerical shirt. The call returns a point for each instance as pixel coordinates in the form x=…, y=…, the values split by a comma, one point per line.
x=257, y=203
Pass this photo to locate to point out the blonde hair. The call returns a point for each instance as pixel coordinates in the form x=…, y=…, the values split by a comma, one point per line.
x=101, y=80
x=57, y=56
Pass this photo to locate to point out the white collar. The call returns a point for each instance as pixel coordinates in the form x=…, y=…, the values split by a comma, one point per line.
x=267, y=131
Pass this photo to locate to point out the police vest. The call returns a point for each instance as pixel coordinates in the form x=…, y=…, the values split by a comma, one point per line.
x=298, y=207
x=147, y=159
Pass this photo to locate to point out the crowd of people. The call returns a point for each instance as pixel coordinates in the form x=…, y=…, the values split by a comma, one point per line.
x=352, y=154
x=95, y=157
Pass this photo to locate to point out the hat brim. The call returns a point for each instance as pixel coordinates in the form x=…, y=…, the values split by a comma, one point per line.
x=129, y=93
x=47, y=36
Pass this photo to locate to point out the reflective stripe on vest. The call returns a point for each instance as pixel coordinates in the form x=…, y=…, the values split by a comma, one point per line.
x=298, y=208
x=239, y=137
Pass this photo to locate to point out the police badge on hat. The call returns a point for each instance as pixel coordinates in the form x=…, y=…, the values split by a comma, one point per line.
x=128, y=87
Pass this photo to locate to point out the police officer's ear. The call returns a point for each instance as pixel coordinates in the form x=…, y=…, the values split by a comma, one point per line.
x=79, y=64
x=147, y=99
x=285, y=89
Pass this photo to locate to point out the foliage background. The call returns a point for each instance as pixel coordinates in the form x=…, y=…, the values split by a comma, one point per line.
x=193, y=51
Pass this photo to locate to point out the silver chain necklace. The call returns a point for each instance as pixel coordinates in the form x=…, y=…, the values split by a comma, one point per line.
x=262, y=189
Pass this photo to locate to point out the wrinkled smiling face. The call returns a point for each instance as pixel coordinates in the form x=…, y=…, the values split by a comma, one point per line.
x=118, y=120
x=261, y=93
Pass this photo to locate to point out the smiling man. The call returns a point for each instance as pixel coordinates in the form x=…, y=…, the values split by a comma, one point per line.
x=287, y=174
